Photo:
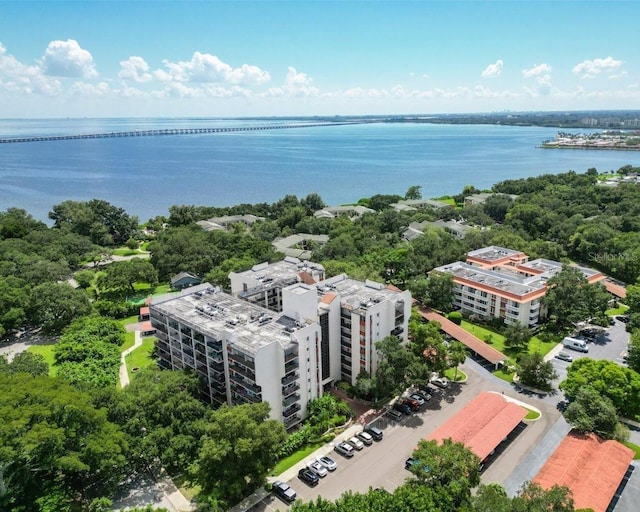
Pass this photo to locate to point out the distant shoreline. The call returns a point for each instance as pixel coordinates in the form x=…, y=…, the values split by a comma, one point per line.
x=589, y=146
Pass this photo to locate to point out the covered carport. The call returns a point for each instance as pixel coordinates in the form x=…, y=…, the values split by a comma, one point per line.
x=483, y=424
x=474, y=344
x=592, y=468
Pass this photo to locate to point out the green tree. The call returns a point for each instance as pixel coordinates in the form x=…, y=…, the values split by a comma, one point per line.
x=54, y=306
x=591, y=412
x=621, y=385
x=633, y=356
x=65, y=449
x=535, y=372
x=394, y=359
x=25, y=362
x=237, y=450
x=449, y=464
x=440, y=291
x=456, y=354
x=119, y=278
x=533, y=498
x=414, y=192
x=517, y=336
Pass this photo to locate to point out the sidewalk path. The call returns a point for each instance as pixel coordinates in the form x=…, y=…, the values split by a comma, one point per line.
x=124, y=375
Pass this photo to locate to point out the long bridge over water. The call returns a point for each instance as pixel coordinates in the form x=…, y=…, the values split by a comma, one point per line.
x=174, y=131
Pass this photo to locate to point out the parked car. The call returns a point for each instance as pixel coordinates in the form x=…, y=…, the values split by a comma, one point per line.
x=403, y=408
x=283, y=491
x=418, y=398
x=375, y=433
x=365, y=437
x=624, y=319
x=394, y=414
x=564, y=356
x=441, y=382
x=356, y=443
x=318, y=469
x=427, y=391
x=308, y=477
x=345, y=449
x=425, y=394
x=413, y=405
x=328, y=462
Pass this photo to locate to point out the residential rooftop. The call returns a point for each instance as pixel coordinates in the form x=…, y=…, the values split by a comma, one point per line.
x=356, y=294
x=283, y=272
x=494, y=253
x=214, y=312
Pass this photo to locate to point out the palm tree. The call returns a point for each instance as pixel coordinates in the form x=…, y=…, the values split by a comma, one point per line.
x=456, y=354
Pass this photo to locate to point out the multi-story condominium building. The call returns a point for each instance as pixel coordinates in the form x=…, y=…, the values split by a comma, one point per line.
x=263, y=284
x=244, y=353
x=496, y=282
x=282, y=348
x=358, y=315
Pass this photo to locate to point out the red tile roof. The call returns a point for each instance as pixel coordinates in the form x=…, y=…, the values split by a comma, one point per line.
x=144, y=311
x=328, y=298
x=616, y=289
x=306, y=278
x=478, y=346
x=482, y=424
x=146, y=327
x=590, y=467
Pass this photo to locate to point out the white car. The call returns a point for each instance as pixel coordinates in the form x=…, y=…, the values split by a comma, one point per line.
x=441, y=382
x=328, y=462
x=318, y=468
x=356, y=443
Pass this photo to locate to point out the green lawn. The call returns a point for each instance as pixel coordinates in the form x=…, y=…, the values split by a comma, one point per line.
x=451, y=372
x=532, y=415
x=634, y=447
x=142, y=356
x=294, y=458
x=497, y=340
x=507, y=377
x=621, y=310
x=45, y=351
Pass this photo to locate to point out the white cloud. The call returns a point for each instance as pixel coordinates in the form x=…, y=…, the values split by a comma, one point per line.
x=136, y=69
x=536, y=70
x=207, y=68
x=592, y=68
x=19, y=78
x=90, y=90
x=493, y=69
x=67, y=59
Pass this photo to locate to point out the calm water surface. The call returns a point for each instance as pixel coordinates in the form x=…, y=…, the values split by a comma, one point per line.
x=146, y=175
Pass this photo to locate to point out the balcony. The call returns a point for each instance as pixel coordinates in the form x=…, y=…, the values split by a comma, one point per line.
x=245, y=384
x=289, y=379
x=244, y=390
x=242, y=371
x=397, y=331
x=243, y=360
x=290, y=400
x=291, y=410
x=292, y=388
x=215, y=345
x=291, y=421
x=292, y=356
x=290, y=367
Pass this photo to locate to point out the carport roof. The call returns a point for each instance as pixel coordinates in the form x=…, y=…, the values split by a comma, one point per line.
x=478, y=346
x=615, y=289
x=483, y=424
x=590, y=467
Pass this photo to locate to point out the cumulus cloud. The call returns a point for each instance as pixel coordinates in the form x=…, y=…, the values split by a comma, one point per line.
x=493, y=69
x=592, y=68
x=536, y=70
x=207, y=68
x=136, y=69
x=17, y=77
x=66, y=59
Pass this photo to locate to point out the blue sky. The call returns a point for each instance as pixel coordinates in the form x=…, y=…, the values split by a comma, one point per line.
x=116, y=58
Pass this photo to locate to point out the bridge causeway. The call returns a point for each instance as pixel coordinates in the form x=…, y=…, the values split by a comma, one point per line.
x=173, y=131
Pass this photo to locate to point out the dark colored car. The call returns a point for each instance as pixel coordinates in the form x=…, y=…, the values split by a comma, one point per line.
x=403, y=408
x=623, y=319
x=308, y=477
x=284, y=492
x=374, y=432
x=394, y=414
x=413, y=403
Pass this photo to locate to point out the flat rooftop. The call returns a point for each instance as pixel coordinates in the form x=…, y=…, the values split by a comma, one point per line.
x=499, y=280
x=550, y=268
x=592, y=468
x=284, y=272
x=494, y=253
x=356, y=294
x=214, y=313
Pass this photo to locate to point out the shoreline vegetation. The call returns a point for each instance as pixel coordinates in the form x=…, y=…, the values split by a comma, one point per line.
x=607, y=140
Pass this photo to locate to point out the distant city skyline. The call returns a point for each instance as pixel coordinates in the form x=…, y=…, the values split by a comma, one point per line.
x=301, y=58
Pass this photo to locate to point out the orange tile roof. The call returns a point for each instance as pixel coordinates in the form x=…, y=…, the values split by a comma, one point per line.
x=482, y=424
x=328, y=298
x=144, y=311
x=306, y=278
x=478, y=346
x=146, y=327
x=616, y=289
x=590, y=467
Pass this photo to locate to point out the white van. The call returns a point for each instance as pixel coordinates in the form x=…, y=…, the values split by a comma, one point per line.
x=575, y=344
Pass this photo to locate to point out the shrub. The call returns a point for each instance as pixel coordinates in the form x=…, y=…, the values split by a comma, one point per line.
x=295, y=441
x=455, y=317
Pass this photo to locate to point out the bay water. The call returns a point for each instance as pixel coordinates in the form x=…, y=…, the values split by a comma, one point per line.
x=146, y=175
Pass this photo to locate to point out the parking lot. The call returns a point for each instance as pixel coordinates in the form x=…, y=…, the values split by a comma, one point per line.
x=382, y=464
